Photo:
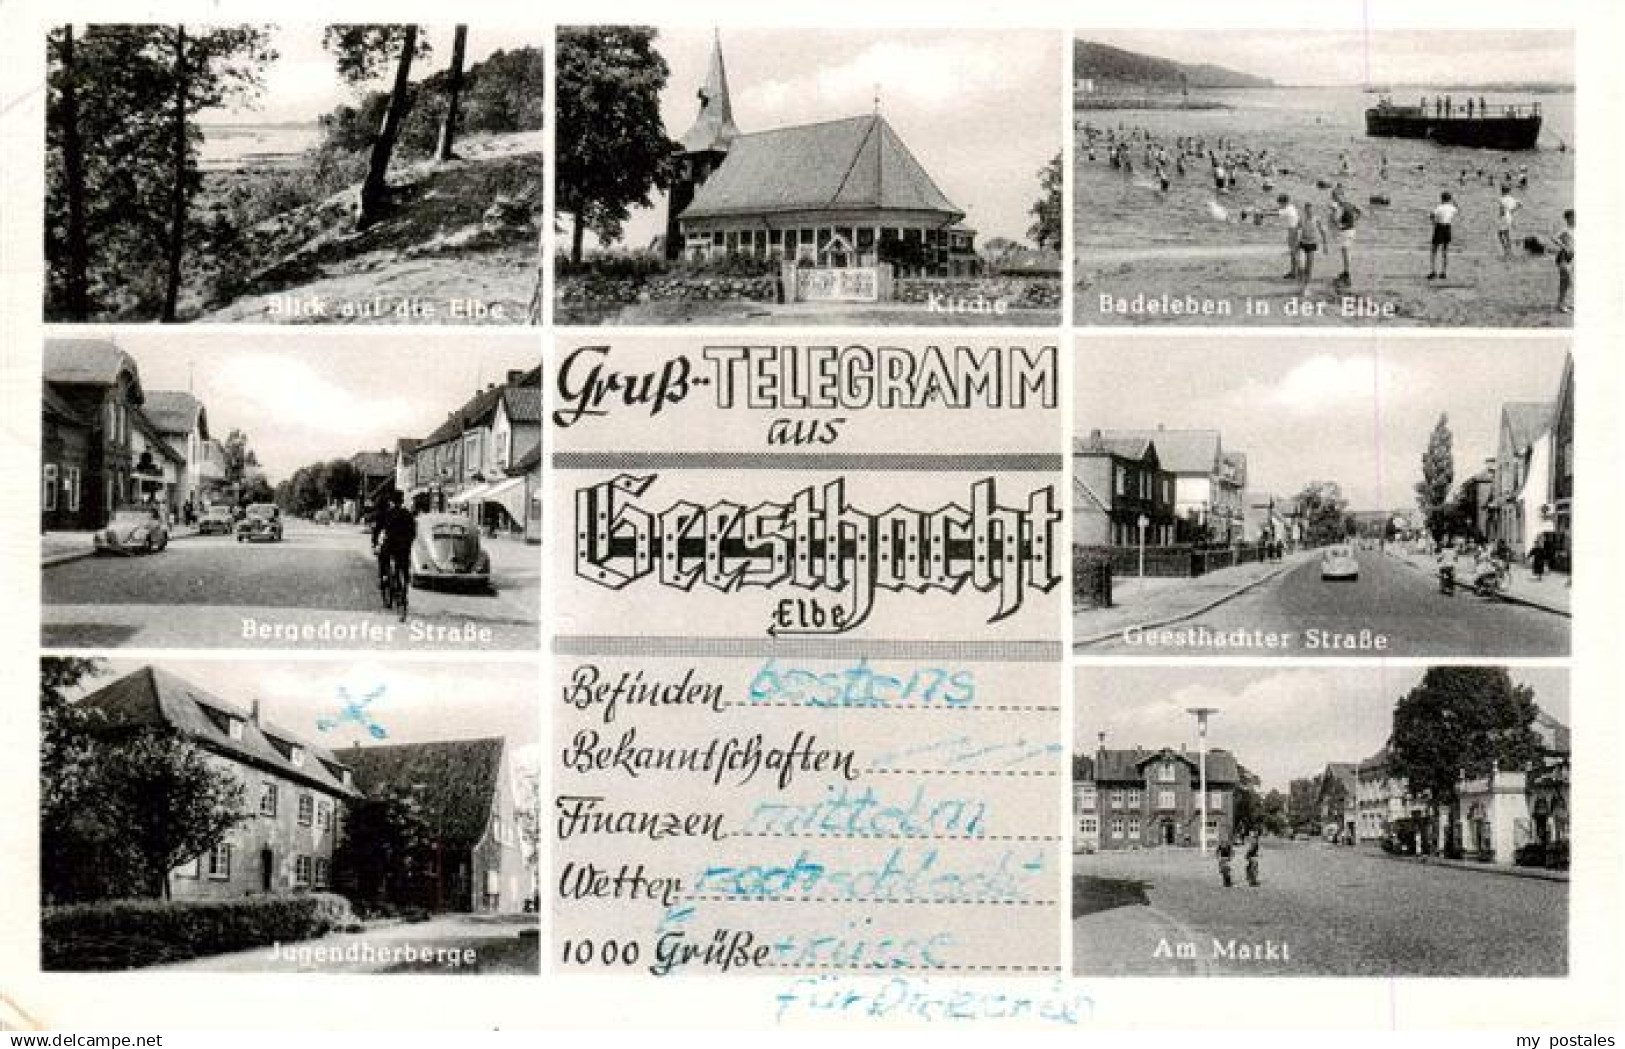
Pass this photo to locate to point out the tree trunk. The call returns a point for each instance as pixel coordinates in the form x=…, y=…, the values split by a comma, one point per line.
x=375, y=188
x=77, y=291
x=577, y=233
x=454, y=96
x=177, y=192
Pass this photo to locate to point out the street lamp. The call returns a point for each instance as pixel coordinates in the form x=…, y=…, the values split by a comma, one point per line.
x=1201, y=764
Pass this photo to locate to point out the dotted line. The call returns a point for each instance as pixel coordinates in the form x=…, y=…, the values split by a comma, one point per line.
x=866, y=899
x=879, y=970
x=900, y=837
x=952, y=772
x=865, y=707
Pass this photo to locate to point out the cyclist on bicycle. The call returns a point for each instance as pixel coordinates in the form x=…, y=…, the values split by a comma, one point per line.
x=393, y=529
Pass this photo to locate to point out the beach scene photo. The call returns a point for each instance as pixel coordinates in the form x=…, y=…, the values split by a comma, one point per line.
x=1419, y=178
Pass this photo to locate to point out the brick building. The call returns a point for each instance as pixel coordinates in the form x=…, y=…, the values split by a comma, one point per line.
x=1136, y=798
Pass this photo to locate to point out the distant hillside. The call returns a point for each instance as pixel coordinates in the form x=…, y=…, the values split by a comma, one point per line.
x=1102, y=63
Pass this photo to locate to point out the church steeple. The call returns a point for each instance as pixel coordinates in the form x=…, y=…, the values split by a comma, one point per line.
x=714, y=129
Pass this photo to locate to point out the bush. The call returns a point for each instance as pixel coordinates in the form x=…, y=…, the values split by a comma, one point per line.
x=610, y=266
x=130, y=934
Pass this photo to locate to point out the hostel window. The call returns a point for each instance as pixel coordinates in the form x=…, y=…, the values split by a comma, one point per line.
x=1117, y=828
x=268, y=799
x=1119, y=480
x=1117, y=798
x=1133, y=799
x=1089, y=825
x=307, y=810
x=1215, y=799
x=323, y=873
x=1086, y=798
x=48, y=487
x=219, y=865
x=324, y=814
x=303, y=871
x=1134, y=828
x=1166, y=772
x=1165, y=799
x=70, y=483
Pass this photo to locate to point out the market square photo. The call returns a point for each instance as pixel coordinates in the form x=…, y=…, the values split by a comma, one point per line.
x=225, y=490
x=297, y=173
x=1357, y=821
x=1319, y=177
x=1292, y=496
x=244, y=816
x=808, y=176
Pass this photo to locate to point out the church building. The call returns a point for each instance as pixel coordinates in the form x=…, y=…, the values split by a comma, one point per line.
x=839, y=193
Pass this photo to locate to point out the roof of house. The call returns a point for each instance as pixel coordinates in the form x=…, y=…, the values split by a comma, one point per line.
x=1111, y=766
x=407, y=446
x=1525, y=421
x=153, y=698
x=714, y=129
x=1103, y=443
x=855, y=163
x=521, y=398
x=456, y=780
x=175, y=412
x=95, y=362
x=1180, y=451
x=57, y=406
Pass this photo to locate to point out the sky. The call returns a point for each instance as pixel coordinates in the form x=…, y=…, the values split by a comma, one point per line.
x=1358, y=411
x=421, y=701
x=1282, y=724
x=303, y=83
x=980, y=110
x=304, y=397
x=1383, y=57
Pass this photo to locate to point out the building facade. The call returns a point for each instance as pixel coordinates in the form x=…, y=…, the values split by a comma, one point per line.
x=1117, y=483
x=180, y=419
x=840, y=193
x=295, y=791
x=463, y=464
x=99, y=386
x=1522, y=474
x=1134, y=799
x=1561, y=498
x=464, y=793
x=1209, y=482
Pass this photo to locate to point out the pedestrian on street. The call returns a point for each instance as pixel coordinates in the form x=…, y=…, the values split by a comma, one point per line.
x=1226, y=853
x=1252, y=859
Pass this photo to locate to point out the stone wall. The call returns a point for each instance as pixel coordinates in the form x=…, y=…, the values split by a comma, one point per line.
x=593, y=291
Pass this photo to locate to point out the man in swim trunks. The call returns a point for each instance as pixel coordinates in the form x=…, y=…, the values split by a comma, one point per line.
x=1443, y=218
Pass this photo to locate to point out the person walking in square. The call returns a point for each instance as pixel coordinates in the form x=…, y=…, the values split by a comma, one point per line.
x=1226, y=853
x=1253, y=846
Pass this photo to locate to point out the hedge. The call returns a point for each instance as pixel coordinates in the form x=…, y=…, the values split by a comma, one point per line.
x=129, y=934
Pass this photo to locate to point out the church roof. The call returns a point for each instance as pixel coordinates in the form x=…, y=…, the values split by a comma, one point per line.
x=714, y=129
x=855, y=163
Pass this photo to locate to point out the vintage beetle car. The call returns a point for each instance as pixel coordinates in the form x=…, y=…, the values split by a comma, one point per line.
x=133, y=531
x=216, y=520
x=1338, y=563
x=447, y=550
x=260, y=521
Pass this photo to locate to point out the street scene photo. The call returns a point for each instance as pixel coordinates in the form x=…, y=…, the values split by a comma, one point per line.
x=245, y=816
x=1267, y=497
x=1357, y=821
x=294, y=174
x=291, y=491
x=1324, y=178
x=808, y=176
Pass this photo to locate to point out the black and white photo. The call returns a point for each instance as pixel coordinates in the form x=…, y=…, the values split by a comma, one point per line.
x=235, y=491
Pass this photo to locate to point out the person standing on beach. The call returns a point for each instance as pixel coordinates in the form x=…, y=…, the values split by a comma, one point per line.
x=1504, y=209
x=1294, y=225
x=1311, y=235
x=1443, y=218
x=1565, y=263
x=1346, y=216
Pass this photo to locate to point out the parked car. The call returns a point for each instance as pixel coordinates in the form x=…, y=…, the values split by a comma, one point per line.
x=1338, y=563
x=133, y=531
x=216, y=520
x=447, y=550
x=323, y=517
x=261, y=521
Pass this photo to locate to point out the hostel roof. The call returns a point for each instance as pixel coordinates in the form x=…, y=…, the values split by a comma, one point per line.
x=1127, y=766
x=858, y=163
x=153, y=698
x=91, y=362
x=1526, y=421
x=175, y=412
